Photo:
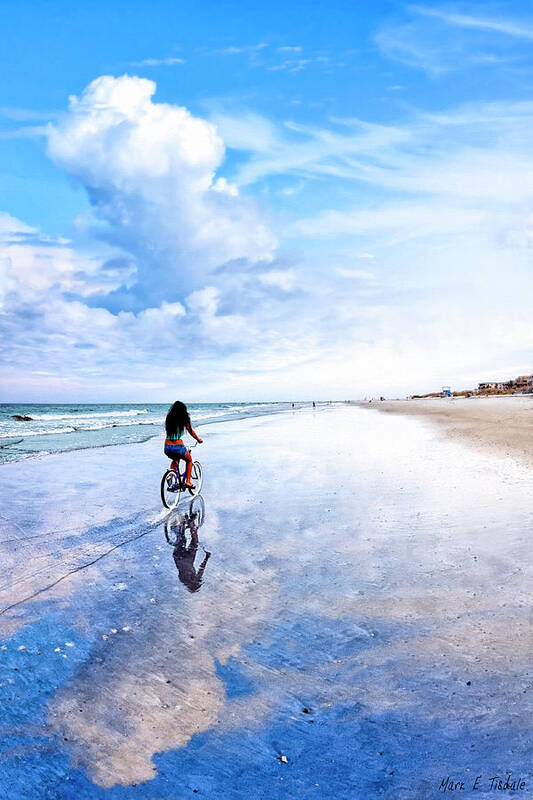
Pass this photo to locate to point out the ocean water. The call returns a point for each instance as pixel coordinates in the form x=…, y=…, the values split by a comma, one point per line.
x=27, y=430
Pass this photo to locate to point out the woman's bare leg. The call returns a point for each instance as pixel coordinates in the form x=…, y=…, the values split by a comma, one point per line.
x=188, y=470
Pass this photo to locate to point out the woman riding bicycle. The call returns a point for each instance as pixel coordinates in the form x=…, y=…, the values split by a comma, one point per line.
x=176, y=423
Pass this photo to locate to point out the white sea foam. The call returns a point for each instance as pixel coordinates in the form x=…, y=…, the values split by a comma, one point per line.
x=134, y=412
x=119, y=424
x=40, y=432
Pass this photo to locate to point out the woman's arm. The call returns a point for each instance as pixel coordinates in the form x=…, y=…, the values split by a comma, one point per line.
x=194, y=435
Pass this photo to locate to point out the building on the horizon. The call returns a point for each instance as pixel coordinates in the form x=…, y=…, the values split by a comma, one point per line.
x=523, y=383
x=490, y=386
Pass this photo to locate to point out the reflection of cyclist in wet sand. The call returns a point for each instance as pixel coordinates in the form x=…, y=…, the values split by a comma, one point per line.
x=184, y=559
x=185, y=554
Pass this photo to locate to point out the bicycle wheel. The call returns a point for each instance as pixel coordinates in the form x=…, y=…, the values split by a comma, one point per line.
x=170, y=489
x=196, y=478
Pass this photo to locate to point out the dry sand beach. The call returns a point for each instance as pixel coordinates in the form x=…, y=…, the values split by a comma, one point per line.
x=361, y=629
x=502, y=424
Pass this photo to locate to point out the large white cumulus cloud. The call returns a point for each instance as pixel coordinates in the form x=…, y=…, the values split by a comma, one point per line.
x=150, y=172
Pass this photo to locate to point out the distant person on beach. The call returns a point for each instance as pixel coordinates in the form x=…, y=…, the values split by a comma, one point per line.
x=176, y=423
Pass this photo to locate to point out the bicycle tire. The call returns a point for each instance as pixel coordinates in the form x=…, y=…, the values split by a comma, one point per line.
x=170, y=497
x=197, y=478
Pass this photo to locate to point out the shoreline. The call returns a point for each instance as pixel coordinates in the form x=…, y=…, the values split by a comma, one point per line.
x=154, y=431
x=501, y=424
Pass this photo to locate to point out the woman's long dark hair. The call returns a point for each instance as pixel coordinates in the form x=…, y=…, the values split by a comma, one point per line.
x=177, y=419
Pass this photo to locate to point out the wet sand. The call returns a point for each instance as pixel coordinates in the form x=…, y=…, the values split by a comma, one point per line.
x=502, y=424
x=360, y=629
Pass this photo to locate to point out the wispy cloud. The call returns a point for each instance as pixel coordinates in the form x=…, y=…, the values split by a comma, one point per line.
x=471, y=151
x=17, y=114
x=522, y=30
x=169, y=61
x=235, y=50
x=359, y=274
x=440, y=41
x=350, y=148
x=408, y=45
x=285, y=58
x=24, y=132
x=291, y=65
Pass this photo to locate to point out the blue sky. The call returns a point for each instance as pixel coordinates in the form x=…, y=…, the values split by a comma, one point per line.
x=268, y=201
